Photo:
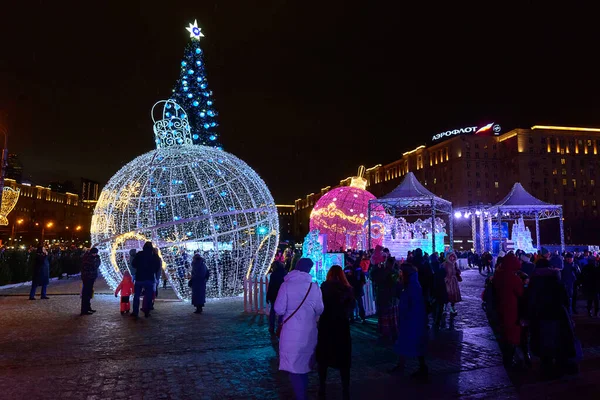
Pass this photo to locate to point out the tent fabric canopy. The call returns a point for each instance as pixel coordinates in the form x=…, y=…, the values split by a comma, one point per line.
x=519, y=198
x=411, y=189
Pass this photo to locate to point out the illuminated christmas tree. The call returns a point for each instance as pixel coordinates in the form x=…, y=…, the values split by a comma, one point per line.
x=192, y=93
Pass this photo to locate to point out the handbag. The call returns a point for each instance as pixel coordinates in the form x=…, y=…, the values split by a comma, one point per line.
x=280, y=327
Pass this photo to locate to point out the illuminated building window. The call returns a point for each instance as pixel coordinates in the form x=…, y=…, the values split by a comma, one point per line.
x=583, y=203
x=554, y=172
x=594, y=203
x=562, y=151
x=564, y=171
x=564, y=182
x=595, y=147
x=496, y=185
x=592, y=182
x=555, y=191
x=563, y=161
x=574, y=183
x=434, y=181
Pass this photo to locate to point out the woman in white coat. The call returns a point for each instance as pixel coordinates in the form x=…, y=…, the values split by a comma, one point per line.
x=299, y=333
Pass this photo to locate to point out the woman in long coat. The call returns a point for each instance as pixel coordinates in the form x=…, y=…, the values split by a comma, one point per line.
x=508, y=288
x=334, y=346
x=412, y=316
x=451, y=280
x=299, y=331
x=200, y=275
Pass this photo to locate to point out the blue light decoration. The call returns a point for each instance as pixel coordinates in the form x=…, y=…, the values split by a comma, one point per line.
x=262, y=230
x=192, y=93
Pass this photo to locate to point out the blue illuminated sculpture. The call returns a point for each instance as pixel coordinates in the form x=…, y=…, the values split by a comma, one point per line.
x=192, y=93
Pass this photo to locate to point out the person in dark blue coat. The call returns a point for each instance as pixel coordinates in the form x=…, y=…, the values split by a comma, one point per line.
x=412, y=334
x=147, y=264
x=278, y=273
x=41, y=273
x=200, y=275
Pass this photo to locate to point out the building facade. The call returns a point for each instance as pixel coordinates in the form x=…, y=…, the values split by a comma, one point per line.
x=42, y=214
x=555, y=164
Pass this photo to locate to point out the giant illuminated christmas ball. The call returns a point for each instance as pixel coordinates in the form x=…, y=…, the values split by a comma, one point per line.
x=187, y=198
x=342, y=215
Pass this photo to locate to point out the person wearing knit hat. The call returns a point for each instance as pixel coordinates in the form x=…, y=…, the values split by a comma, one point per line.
x=300, y=302
x=526, y=265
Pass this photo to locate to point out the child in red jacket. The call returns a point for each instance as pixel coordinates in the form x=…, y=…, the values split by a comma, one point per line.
x=126, y=288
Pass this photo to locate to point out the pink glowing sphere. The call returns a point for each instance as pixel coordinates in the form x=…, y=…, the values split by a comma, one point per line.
x=342, y=215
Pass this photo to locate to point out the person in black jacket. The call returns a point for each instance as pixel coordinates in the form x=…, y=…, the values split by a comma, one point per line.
x=275, y=280
x=89, y=274
x=552, y=336
x=41, y=273
x=590, y=278
x=334, y=345
x=147, y=266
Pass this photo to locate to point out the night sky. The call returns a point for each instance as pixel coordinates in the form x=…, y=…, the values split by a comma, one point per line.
x=306, y=91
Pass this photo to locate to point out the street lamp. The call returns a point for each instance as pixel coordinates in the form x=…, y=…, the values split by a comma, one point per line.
x=17, y=222
x=47, y=225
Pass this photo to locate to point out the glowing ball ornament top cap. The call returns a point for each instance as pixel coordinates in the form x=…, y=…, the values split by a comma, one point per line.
x=185, y=199
x=342, y=215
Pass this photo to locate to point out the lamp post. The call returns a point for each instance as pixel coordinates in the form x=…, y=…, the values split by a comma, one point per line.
x=47, y=225
x=17, y=222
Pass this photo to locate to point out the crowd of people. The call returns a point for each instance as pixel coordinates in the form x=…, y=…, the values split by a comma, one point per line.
x=530, y=300
x=313, y=323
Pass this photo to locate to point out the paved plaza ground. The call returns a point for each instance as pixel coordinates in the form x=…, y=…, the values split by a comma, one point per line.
x=48, y=351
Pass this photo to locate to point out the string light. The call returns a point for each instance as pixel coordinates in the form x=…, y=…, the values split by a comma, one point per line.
x=341, y=214
x=194, y=93
x=187, y=198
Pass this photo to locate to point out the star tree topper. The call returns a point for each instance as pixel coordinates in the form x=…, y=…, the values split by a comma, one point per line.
x=194, y=31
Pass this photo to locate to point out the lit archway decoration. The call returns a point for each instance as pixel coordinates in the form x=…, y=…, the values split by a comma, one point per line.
x=10, y=197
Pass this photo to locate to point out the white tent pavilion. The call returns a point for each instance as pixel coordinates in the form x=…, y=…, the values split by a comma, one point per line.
x=520, y=203
x=410, y=198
